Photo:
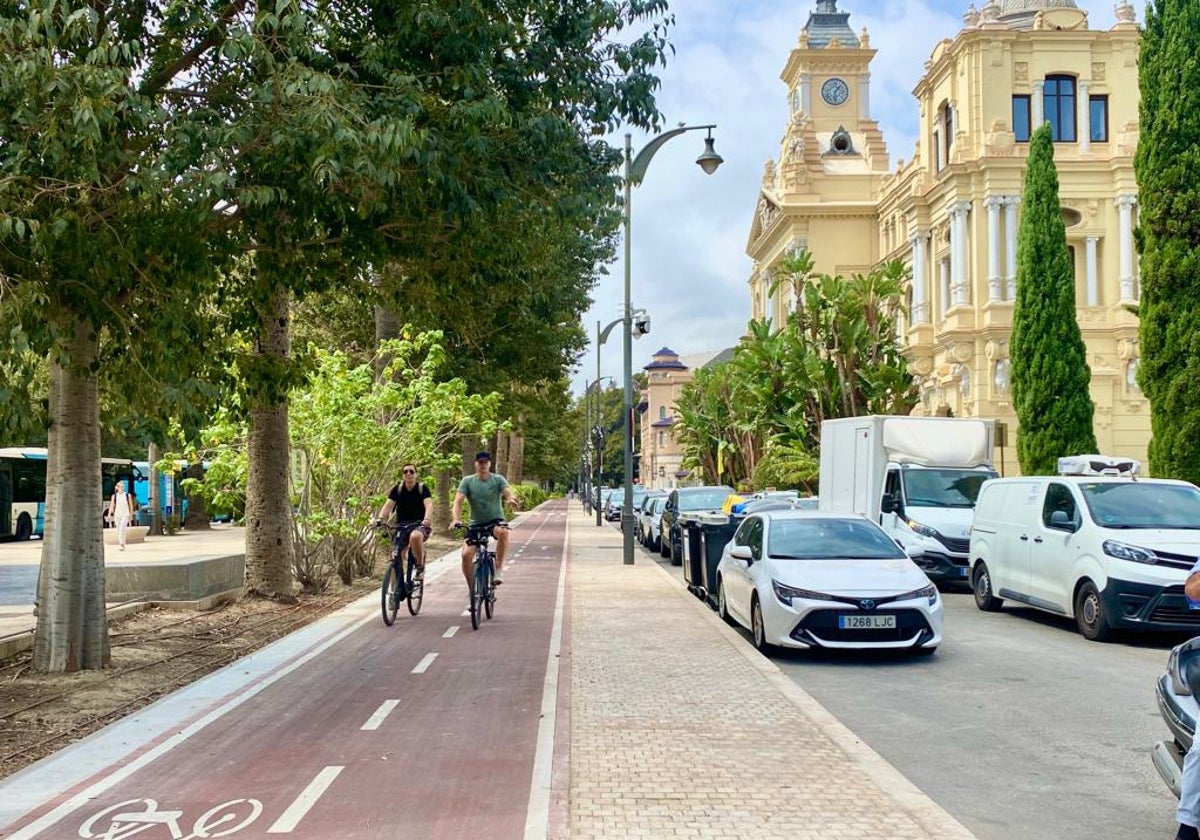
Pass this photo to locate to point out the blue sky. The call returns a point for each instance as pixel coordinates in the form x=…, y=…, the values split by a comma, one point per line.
x=689, y=230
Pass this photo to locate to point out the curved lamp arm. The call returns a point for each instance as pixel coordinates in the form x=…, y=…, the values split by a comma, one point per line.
x=636, y=172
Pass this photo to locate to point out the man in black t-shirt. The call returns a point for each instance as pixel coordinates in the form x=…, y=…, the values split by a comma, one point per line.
x=413, y=506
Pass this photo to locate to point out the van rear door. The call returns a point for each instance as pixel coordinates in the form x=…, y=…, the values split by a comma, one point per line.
x=1019, y=524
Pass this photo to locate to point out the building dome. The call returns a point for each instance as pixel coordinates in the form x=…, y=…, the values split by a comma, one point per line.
x=1019, y=14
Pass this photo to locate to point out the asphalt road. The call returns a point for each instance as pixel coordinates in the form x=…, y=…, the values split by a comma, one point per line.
x=1017, y=726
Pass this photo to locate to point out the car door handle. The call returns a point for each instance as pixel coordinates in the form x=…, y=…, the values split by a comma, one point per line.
x=1024, y=538
x=1038, y=539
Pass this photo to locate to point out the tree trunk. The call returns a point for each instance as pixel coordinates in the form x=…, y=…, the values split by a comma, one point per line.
x=500, y=456
x=156, y=523
x=269, y=538
x=72, y=629
x=443, y=487
x=197, y=508
x=516, y=459
x=387, y=327
x=468, y=453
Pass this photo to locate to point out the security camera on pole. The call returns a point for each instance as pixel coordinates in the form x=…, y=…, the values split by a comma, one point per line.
x=635, y=173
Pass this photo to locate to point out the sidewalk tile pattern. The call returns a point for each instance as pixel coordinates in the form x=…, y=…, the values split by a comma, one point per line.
x=675, y=734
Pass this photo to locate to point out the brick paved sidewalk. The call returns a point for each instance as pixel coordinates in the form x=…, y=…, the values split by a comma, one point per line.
x=679, y=728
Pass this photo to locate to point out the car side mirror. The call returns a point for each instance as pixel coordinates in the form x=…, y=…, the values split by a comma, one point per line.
x=742, y=552
x=888, y=504
x=1060, y=520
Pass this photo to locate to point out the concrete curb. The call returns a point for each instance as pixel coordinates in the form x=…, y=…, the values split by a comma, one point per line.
x=930, y=816
x=23, y=641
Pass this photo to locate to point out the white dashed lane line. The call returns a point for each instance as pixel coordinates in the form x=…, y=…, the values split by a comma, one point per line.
x=375, y=720
x=308, y=797
x=449, y=634
x=424, y=664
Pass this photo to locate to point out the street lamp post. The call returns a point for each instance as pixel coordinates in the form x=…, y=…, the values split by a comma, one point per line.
x=601, y=337
x=635, y=173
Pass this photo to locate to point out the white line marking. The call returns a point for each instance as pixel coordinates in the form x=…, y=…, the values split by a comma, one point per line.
x=304, y=802
x=424, y=664
x=385, y=709
x=537, y=814
x=467, y=611
x=449, y=634
x=86, y=796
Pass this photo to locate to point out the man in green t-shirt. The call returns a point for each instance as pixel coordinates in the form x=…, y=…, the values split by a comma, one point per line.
x=486, y=491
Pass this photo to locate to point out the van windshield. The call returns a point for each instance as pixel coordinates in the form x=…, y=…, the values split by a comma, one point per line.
x=1143, y=504
x=943, y=488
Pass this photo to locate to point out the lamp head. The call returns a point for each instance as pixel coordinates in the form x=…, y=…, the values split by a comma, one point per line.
x=709, y=160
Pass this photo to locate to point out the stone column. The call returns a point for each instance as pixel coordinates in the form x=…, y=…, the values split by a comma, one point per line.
x=1039, y=105
x=1010, y=231
x=993, y=204
x=944, y=284
x=1093, y=280
x=864, y=101
x=920, y=306
x=1084, y=121
x=806, y=93
x=1125, y=204
x=958, y=251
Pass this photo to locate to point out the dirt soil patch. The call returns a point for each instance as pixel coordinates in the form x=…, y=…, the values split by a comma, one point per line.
x=154, y=652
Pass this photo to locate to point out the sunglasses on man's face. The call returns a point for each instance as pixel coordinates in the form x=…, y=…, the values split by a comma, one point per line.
x=410, y=472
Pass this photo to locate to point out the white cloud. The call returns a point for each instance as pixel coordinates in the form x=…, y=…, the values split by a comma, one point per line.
x=689, y=231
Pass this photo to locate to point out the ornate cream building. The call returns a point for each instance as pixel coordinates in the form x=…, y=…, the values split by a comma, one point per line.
x=950, y=212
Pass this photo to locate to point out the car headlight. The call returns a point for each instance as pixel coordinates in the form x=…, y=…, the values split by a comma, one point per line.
x=785, y=594
x=1121, y=551
x=929, y=592
x=923, y=530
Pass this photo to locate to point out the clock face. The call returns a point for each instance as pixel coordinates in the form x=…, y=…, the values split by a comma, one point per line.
x=835, y=91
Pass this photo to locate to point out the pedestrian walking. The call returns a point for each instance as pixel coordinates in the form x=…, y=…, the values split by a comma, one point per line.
x=120, y=511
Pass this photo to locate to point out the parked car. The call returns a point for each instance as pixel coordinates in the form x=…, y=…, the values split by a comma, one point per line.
x=1093, y=544
x=654, y=524
x=645, y=511
x=807, y=503
x=804, y=579
x=686, y=500
x=1176, y=692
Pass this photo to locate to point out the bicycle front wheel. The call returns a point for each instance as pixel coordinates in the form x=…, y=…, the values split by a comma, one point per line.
x=416, y=588
x=389, y=594
x=478, y=595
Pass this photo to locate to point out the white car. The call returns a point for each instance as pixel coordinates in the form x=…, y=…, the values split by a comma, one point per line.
x=646, y=514
x=809, y=579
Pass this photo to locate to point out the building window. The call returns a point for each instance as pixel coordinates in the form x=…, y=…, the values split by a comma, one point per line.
x=1098, y=113
x=1058, y=96
x=937, y=151
x=662, y=438
x=947, y=129
x=662, y=412
x=1022, y=117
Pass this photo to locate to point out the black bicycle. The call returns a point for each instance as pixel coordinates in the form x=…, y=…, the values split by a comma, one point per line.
x=483, y=581
x=403, y=580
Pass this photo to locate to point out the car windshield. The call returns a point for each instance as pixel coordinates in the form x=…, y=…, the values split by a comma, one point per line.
x=711, y=499
x=830, y=539
x=1143, y=504
x=943, y=488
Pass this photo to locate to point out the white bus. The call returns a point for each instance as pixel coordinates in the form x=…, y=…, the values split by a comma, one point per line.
x=23, y=489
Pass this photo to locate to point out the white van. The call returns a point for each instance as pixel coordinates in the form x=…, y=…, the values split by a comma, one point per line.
x=1095, y=544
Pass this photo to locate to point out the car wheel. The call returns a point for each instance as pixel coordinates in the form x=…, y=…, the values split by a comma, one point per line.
x=1089, y=614
x=759, y=630
x=722, y=608
x=662, y=546
x=676, y=553
x=981, y=584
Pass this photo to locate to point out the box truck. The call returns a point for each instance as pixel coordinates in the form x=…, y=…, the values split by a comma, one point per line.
x=918, y=477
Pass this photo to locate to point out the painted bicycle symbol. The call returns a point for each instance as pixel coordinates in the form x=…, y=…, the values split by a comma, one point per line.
x=134, y=816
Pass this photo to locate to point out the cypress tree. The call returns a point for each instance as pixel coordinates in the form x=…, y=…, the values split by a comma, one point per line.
x=1050, y=374
x=1168, y=176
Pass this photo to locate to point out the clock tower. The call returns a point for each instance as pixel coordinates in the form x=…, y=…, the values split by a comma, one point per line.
x=821, y=193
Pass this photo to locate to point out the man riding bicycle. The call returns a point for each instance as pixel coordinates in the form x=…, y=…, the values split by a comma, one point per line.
x=413, y=505
x=486, y=491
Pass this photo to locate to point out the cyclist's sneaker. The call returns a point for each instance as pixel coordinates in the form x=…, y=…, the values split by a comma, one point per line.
x=497, y=577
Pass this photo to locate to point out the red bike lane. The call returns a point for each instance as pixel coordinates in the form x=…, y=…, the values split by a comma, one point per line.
x=418, y=731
